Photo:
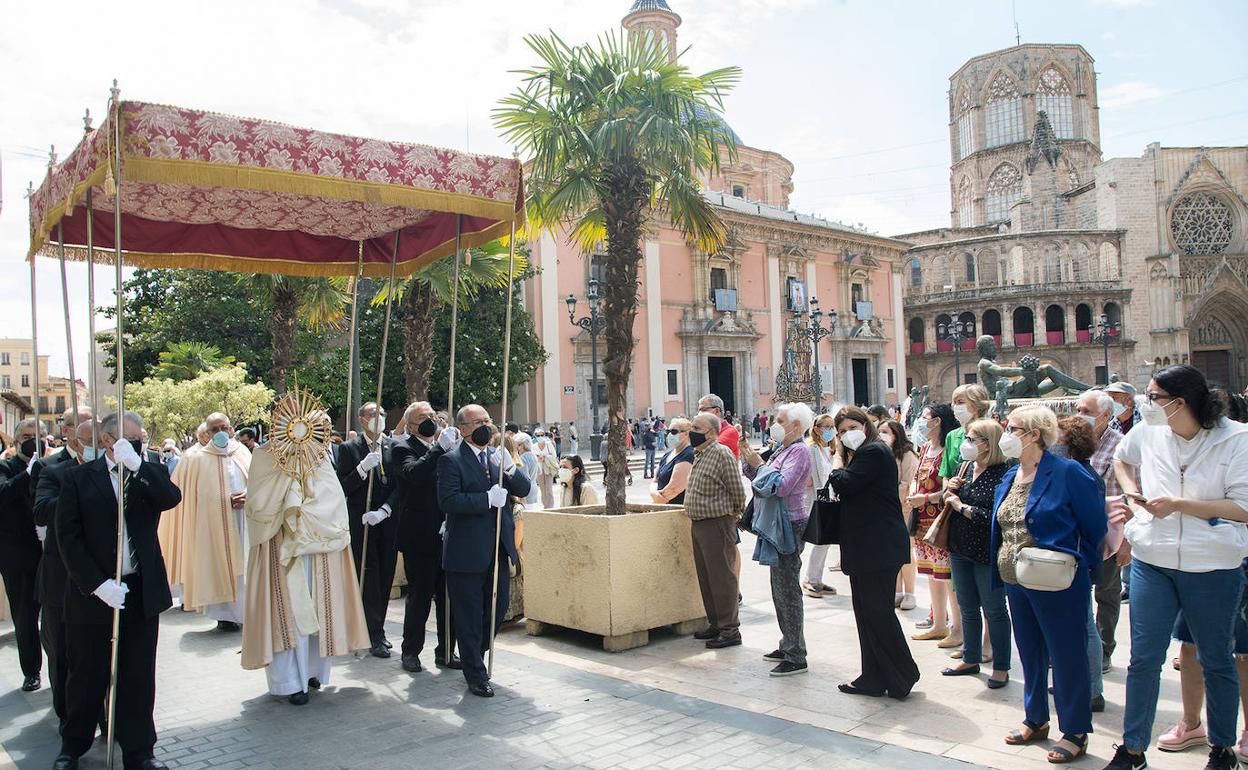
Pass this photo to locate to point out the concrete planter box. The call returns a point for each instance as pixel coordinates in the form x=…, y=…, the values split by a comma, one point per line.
x=616, y=576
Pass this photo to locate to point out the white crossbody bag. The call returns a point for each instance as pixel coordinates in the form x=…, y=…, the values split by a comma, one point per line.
x=1041, y=569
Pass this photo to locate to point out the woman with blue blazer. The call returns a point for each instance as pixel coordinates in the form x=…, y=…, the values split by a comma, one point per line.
x=1050, y=503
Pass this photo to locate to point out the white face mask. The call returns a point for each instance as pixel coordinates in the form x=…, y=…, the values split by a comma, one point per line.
x=1153, y=415
x=377, y=424
x=852, y=439
x=777, y=431
x=1119, y=409
x=969, y=451
x=963, y=413
x=1090, y=420
x=1011, y=445
x=565, y=475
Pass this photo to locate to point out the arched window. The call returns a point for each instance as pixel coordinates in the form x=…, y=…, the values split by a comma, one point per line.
x=1052, y=264
x=916, y=273
x=970, y=326
x=1055, y=324
x=1083, y=323
x=1081, y=266
x=966, y=129
x=966, y=204
x=1003, y=114
x=969, y=259
x=1113, y=315
x=992, y=324
x=1024, y=327
x=917, y=346
x=943, y=322
x=986, y=270
x=1053, y=97
x=1005, y=187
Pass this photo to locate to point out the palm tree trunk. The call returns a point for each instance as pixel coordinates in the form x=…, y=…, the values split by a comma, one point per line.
x=282, y=325
x=624, y=218
x=416, y=316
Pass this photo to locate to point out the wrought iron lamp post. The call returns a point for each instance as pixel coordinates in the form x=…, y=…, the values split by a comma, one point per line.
x=957, y=332
x=593, y=324
x=1105, y=332
x=815, y=331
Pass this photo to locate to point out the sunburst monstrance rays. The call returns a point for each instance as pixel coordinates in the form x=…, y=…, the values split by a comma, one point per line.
x=300, y=434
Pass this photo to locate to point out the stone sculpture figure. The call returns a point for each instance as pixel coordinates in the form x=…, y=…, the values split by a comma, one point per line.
x=1034, y=379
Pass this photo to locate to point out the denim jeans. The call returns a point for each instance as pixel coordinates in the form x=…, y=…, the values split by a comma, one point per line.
x=1210, y=602
x=649, y=471
x=972, y=584
x=1095, y=653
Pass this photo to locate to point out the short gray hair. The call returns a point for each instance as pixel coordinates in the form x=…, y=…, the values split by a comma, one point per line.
x=715, y=424
x=799, y=413
x=29, y=422
x=715, y=401
x=1103, y=402
x=109, y=423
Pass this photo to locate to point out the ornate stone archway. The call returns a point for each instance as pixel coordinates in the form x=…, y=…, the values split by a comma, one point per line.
x=1218, y=337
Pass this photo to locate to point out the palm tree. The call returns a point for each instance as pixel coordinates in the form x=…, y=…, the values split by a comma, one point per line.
x=429, y=290
x=615, y=132
x=316, y=302
x=181, y=361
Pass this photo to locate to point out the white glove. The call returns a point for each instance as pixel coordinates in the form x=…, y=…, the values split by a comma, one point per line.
x=41, y=533
x=125, y=455
x=448, y=439
x=31, y=464
x=110, y=591
x=498, y=496
x=373, y=518
x=370, y=461
x=506, y=463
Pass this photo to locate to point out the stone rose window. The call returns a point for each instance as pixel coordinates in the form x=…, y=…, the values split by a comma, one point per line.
x=1201, y=223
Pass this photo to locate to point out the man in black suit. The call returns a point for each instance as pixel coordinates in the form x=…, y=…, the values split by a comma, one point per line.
x=86, y=525
x=473, y=482
x=45, y=481
x=20, y=551
x=369, y=454
x=420, y=533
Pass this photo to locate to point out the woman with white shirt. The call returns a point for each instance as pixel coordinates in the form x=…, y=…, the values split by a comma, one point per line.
x=528, y=463
x=820, y=444
x=1187, y=539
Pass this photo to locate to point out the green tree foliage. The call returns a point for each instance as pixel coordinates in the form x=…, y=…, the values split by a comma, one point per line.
x=618, y=132
x=173, y=409
x=186, y=360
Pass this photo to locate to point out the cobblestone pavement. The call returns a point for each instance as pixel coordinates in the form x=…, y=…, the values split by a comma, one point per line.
x=563, y=702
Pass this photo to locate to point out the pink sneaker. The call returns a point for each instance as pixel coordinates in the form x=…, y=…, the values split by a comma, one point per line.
x=1178, y=738
x=1241, y=750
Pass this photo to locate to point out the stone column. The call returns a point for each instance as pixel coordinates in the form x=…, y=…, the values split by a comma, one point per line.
x=1069, y=308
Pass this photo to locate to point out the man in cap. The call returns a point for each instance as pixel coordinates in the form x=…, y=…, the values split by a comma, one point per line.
x=1123, y=394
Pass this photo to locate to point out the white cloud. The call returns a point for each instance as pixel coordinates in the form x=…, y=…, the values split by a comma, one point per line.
x=1128, y=93
x=1108, y=36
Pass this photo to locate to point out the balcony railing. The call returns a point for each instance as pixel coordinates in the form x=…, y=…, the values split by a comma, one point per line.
x=914, y=298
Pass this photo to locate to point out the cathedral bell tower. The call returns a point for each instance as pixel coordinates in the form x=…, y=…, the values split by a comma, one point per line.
x=655, y=17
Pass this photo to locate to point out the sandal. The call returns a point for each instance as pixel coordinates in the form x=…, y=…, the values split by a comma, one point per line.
x=1060, y=756
x=1034, y=733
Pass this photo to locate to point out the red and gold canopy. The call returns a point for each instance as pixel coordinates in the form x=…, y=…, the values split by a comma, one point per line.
x=201, y=190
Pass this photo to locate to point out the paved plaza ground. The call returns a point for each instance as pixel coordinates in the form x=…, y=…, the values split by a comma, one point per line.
x=562, y=702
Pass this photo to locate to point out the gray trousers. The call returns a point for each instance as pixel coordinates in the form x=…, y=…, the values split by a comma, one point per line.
x=786, y=595
x=1108, y=603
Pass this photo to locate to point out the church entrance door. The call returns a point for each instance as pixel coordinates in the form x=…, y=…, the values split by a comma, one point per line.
x=1216, y=366
x=720, y=379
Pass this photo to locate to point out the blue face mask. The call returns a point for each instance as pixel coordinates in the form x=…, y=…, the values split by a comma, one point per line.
x=89, y=453
x=672, y=440
x=828, y=435
x=220, y=439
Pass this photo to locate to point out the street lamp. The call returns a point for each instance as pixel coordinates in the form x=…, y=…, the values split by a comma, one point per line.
x=1106, y=331
x=594, y=324
x=816, y=332
x=958, y=332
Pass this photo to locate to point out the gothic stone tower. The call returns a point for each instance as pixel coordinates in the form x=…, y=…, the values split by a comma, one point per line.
x=993, y=104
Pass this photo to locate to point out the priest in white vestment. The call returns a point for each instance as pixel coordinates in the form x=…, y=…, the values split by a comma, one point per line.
x=204, y=539
x=303, y=598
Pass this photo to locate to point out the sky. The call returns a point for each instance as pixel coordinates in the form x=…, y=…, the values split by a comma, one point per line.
x=854, y=92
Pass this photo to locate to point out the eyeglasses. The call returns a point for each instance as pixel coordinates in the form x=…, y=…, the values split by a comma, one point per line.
x=479, y=421
x=674, y=431
x=1017, y=430
x=1155, y=397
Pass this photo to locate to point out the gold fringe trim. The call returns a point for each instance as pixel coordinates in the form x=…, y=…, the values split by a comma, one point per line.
x=42, y=235
x=200, y=261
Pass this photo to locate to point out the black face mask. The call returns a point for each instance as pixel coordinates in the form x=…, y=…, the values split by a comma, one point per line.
x=482, y=435
x=696, y=439
x=138, y=446
x=427, y=428
x=29, y=448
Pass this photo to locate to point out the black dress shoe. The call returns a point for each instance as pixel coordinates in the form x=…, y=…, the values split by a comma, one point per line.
x=997, y=684
x=65, y=762
x=31, y=683
x=850, y=689
x=314, y=683
x=412, y=663
x=379, y=650
x=298, y=699
x=722, y=641
x=453, y=663
x=707, y=633
x=968, y=671
x=225, y=625
x=387, y=643
x=481, y=689
x=1098, y=704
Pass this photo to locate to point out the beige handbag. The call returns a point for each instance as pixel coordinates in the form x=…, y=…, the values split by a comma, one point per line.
x=1043, y=570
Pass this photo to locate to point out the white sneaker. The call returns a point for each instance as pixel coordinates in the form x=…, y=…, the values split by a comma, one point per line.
x=908, y=602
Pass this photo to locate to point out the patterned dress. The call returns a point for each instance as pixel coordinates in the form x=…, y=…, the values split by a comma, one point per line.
x=932, y=561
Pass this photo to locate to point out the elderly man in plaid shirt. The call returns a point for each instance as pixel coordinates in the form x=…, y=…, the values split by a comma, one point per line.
x=714, y=499
x=1097, y=407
